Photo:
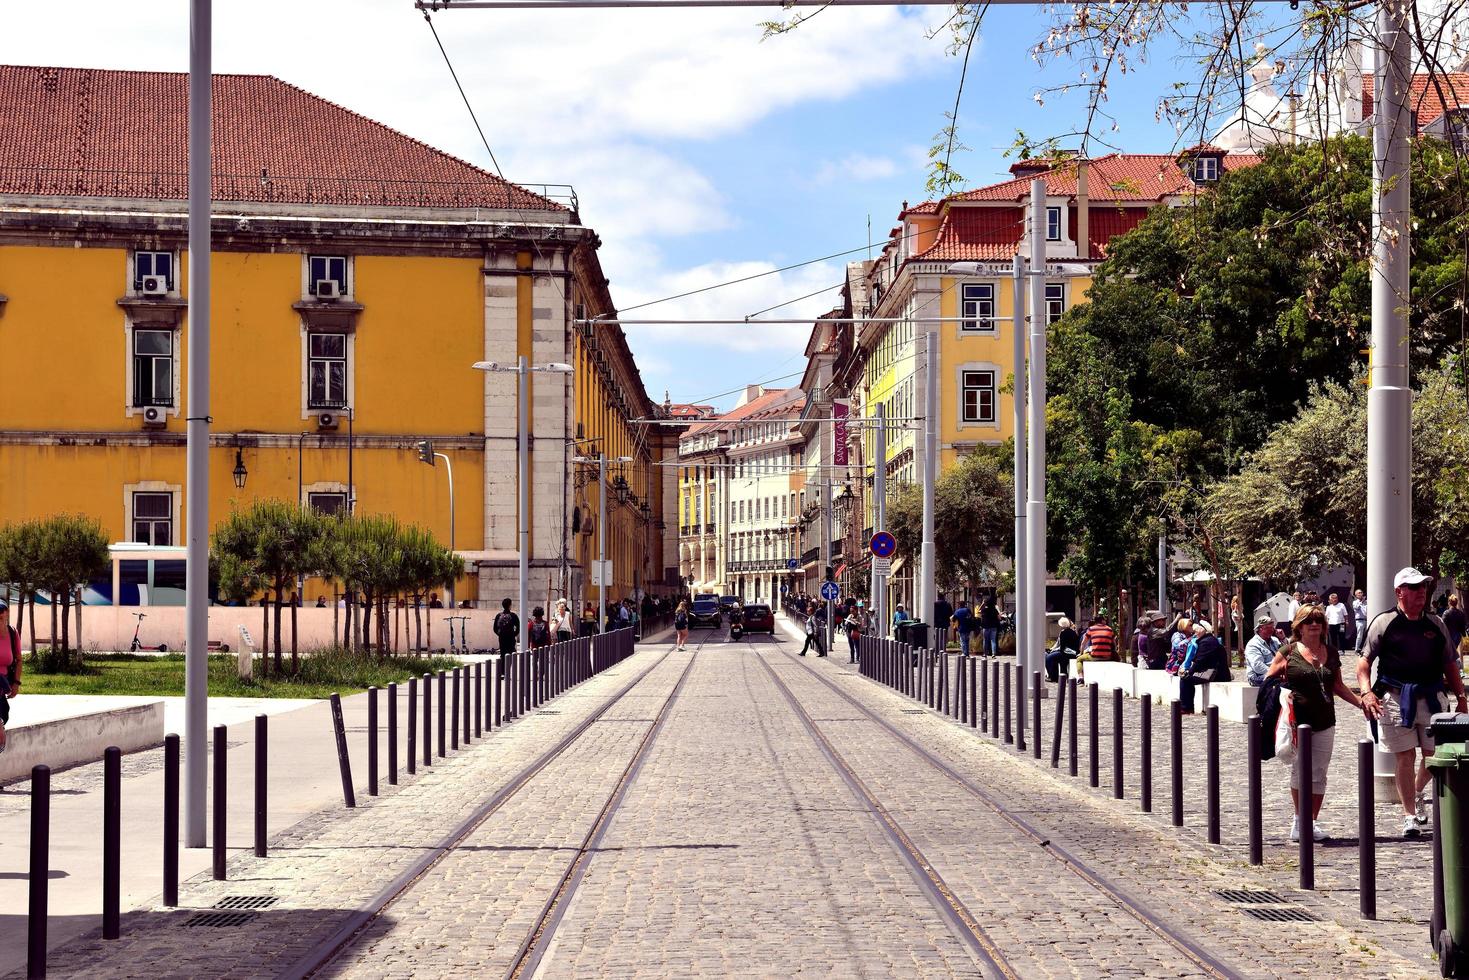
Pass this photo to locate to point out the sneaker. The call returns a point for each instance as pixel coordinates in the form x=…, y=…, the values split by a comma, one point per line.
x=1410, y=826
x=1424, y=806
x=1319, y=834
x=1295, y=829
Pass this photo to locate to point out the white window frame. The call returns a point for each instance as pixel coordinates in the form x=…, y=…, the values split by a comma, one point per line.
x=1055, y=221
x=1055, y=301
x=1205, y=169
x=978, y=370
x=176, y=493
x=349, y=273
x=172, y=357
x=306, y=410
x=973, y=319
x=136, y=272
x=129, y=409
x=326, y=404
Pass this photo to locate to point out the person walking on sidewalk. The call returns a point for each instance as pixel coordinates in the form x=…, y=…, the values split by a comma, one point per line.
x=989, y=627
x=1336, y=621
x=1310, y=668
x=963, y=621
x=1455, y=623
x=9, y=668
x=1359, y=617
x=814, y=629
x=506, y=627
x=853, y=626
x=562, y=622
x=588, y=619
x=681, y=625
x=539, y=629
x=1410, y=649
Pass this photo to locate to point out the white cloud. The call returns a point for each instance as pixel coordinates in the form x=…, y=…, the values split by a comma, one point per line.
x=856, y=167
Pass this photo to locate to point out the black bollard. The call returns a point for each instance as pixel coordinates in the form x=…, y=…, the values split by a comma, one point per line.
x=1145, y=767
x=443, y=711
x=465, y=717
x=221, y=799
x=454, y=710
x=1035, y=713
x=973, y=701
x=1019, y=705
x=344, y=761
x=1307, y=824
x=410, y=751
x=1175, y=761
x=1072, y=753
x=372, y=741
x=1211, y=760
x=392, y=733
x=1093, y=696
x=111, y=841
x=170, y=820
x=1009, y=737
x=1056, y=729
x=428, y=720
x=1253, y=734
x=960, y=703
x=1117, y=789
x=995, y=671
x=262, y=758
x=1367, y=833
x=40, y=871
x=497, y=702
x=478, y=702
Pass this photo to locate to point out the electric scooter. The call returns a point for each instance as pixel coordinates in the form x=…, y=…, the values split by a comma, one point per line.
x=137, y=644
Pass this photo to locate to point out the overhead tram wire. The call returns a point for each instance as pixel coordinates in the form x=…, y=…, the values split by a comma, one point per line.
x=455, y=75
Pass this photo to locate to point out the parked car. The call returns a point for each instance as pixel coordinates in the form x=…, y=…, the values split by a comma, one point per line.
x=728, y=602
x=759, y=619
x=705, y=613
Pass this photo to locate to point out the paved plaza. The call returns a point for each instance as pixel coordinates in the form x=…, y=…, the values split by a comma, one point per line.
x=735, y=810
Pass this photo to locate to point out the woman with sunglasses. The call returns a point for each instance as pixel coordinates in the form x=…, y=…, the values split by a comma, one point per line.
x=1311, y=670
x=9, y=668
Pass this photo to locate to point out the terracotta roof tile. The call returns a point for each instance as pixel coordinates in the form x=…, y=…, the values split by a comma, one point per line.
x=1117, y=177
x=98, y=133
x=1423, y=95
x=769, y=403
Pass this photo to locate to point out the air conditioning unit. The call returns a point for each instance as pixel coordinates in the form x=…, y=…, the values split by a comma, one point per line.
x=154, y=417
x=328, y=289
x=154, y=286
x=327, y=420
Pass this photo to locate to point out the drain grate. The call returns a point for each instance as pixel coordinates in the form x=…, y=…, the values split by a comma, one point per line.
x=914, y=711
x=1288, y=914
x=1243, y=896
x=544, y=711
x=246, y=902
x=219, y=920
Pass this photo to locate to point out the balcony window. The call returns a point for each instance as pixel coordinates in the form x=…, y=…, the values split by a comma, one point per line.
x=977, y=307
x=327, y=371
x=152, y=368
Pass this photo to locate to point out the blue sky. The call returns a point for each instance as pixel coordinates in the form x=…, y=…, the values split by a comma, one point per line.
x=699, y=152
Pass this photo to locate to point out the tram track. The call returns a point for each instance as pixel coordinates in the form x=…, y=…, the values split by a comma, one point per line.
x=324, y=954
x=1112, y=891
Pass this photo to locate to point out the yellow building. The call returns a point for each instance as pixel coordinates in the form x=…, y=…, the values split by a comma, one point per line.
x=357, y=276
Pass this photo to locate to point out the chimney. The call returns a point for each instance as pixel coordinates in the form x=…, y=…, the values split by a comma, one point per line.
x=1083, y=211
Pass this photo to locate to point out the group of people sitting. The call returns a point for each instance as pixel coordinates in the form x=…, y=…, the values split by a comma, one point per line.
x=1186, y=648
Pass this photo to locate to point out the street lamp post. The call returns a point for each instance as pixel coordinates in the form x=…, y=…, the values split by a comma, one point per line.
x=427, y=455
x=523, y=370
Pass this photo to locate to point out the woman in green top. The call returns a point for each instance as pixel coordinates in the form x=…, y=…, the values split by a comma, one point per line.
x=1311, y=671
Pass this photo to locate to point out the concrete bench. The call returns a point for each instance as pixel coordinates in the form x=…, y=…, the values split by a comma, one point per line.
x=1108, y=675
x=1235, y=699
x=61, y=730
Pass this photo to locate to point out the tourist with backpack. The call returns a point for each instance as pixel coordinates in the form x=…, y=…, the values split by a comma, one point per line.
x=681, y=625
x=9, y=668
x=540, y=630
x=507, y=627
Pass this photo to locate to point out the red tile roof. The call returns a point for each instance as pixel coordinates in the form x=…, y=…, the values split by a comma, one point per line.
x=96, y=133
x=927, y=207
x=1423, y=95
x=1116, y=177
x=992, y=234
x=768, y=404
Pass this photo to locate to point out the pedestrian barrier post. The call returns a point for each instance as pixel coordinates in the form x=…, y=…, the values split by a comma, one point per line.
x=1145, y=773
x=221, y=798
x=479, y=705
x=1305, y=820
x=170, y=820
x=1117, y=787
x=1009, y=736
x=1367, y=833
x=411, y=749
x=497, y=720
x=972, y=666
x=1056, y=730
x=1019, y=705
x=1257, y=830
x=454, y=711
x=1175, y=761
x=111, y=841
x=428, y=720
x=984, y=695
x=464, y=717
x=443, y=710
x=995, y=671
x=372, y=741
x=1211, y=745
x=262, y=748
x=1035, y=713
x=40, y=871
x=1093, y=696
x=392, y=733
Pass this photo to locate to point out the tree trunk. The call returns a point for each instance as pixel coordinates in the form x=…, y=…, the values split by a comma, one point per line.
x=265, y=632
x=53, y=622
x=336, y=616
x=363, y=631
x=32, y=598
x=279, y=665
x=295, y=657
x=79, y=627
x=65, y=599
x=417, y=625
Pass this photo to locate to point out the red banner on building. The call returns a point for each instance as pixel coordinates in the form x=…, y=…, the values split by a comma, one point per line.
x=839, y=410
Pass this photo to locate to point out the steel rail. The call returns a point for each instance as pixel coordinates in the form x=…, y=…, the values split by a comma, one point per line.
x=528, y=956
x=323, y=953
x=963, y=922
x=1118, y=895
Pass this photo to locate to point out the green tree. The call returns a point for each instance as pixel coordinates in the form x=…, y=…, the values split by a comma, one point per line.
x=69, y=551
x=974, y=508
x=267, y=546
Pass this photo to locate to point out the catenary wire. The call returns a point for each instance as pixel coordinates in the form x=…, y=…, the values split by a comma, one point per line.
x=455, y=75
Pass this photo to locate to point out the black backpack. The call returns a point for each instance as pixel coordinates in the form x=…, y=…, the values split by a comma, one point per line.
x=540, y=634
x=504, y=623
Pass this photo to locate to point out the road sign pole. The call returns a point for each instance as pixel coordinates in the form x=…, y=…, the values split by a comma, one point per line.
x=879, y=515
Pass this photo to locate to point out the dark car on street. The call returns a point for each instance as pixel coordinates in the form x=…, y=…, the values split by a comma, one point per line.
x=728, y=602
x=759, y=619
x=705, y=613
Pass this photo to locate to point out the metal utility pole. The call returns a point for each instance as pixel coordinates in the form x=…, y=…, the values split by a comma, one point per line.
x=826, y=550
x=602, y=542
x=1163, y=574
x=1035, y=508
x=926, y=594
x=1017, y=326
x=522, y=445
x=1389, y=399
x=879, y=513
x=196, y=496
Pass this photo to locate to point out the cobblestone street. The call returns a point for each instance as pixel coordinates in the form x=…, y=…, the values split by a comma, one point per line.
x=734, y=810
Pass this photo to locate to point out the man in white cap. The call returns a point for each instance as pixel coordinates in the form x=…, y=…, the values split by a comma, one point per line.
x=1415, y=663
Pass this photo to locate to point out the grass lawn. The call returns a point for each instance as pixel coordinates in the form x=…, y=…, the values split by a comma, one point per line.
x=163, y=675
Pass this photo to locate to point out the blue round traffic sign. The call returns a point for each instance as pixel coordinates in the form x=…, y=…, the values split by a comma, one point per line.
x=830, y=591
x=883, y=544
x=793, y=564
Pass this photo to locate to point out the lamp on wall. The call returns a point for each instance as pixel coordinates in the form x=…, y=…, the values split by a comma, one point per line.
x=620, y=487
x=240, y=473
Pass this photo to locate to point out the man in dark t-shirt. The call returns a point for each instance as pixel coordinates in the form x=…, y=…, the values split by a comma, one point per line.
x=963, y=621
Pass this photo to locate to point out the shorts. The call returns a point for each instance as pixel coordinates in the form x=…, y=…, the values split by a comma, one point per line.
x=1396, y=738
x=1321, y=746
